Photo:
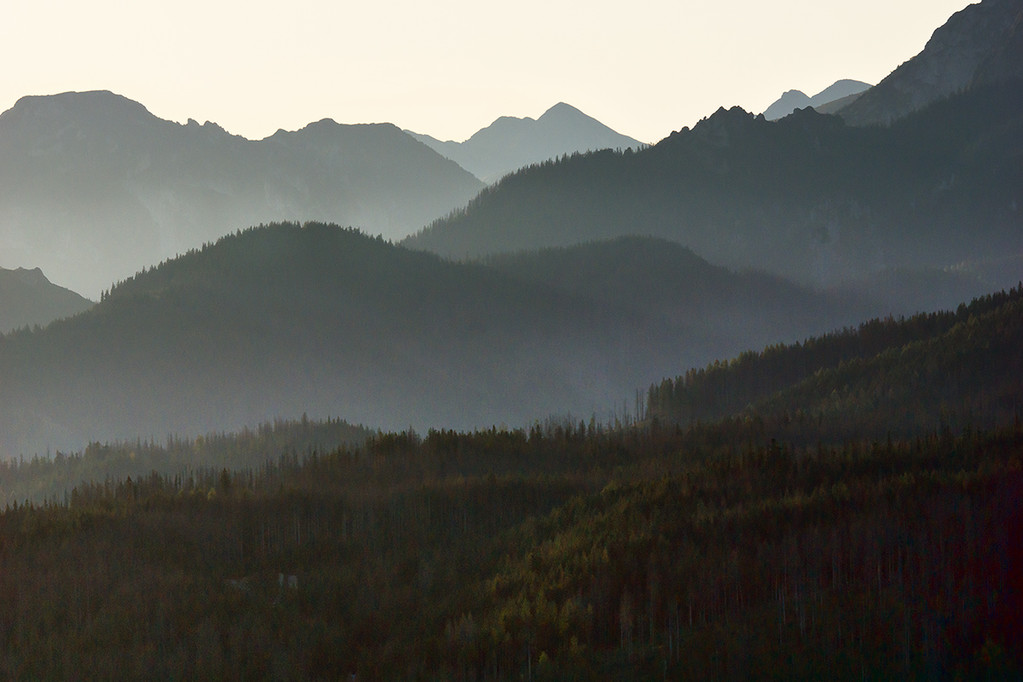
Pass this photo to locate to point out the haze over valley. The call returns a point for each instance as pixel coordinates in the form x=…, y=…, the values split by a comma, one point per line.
x=281, y=320
x=347, y=401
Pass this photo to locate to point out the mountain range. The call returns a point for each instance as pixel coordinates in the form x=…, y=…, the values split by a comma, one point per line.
x=283, y=319
x=756, y=232
x=28, y=299
x=808, y=495
x=806, y=197
x=836, y=95
x=810, y=196
x=94, y=187
x=510, y=143
x=804, y=522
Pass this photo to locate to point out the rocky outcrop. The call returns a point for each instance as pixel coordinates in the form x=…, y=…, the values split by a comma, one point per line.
x=980, y=44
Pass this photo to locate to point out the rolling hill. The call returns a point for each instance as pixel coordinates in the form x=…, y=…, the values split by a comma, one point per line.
x=753, y=547
x=283, y=320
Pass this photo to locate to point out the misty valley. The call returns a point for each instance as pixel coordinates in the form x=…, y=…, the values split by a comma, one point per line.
x=352, y=402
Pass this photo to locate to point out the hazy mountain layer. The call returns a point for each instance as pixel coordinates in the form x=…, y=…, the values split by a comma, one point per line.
x=981, y=44
x=27, y=298
x=669, y=282
x=510, y=143
x=796, y=99
x=805, y=197
x=280, y=321
x=94, y=187
x=807, y=540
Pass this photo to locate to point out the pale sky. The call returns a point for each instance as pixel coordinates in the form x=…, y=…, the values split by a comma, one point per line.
x=449, y=67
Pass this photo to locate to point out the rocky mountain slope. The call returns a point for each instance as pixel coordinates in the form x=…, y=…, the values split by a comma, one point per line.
x=982, y=44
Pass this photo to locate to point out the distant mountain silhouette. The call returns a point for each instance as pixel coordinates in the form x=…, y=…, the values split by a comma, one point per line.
x=806, y=197
x=838, y=90
x=94, y=187
x=979, y=45
x=835, y=105
x=285, y=320
x=786, y=104
x=27, y=298
x=796, y=99
x=510, y=143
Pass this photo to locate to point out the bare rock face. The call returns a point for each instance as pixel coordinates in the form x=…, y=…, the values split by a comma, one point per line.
x=980, y=44
x=1005, y=62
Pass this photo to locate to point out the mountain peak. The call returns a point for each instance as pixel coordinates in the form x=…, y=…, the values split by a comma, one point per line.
x=562, y=109
x=980, y=43
x=99, y=185
x=786, y=104
x=719, y=128
x=729, y=117
x=93, y=106
x=51, y=123
x=510, y=142
x=791, y=100
x=32, y=277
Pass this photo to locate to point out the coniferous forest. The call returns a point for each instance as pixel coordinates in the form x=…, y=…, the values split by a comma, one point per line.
x=818, y=521
x=742, y=404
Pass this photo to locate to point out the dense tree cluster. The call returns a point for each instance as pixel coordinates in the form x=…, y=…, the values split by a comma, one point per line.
x=886, y=559
x=920, y=365
x=287, y=318
x=764, y=545
x=51, y=479
x=775, y=563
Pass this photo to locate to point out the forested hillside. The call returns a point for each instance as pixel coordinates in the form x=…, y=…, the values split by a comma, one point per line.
x=805, y=197
x=663, y=413
x=886, y=365
x=282, y=320
x=669, y=282
x=51, y=479
x=746, y=548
